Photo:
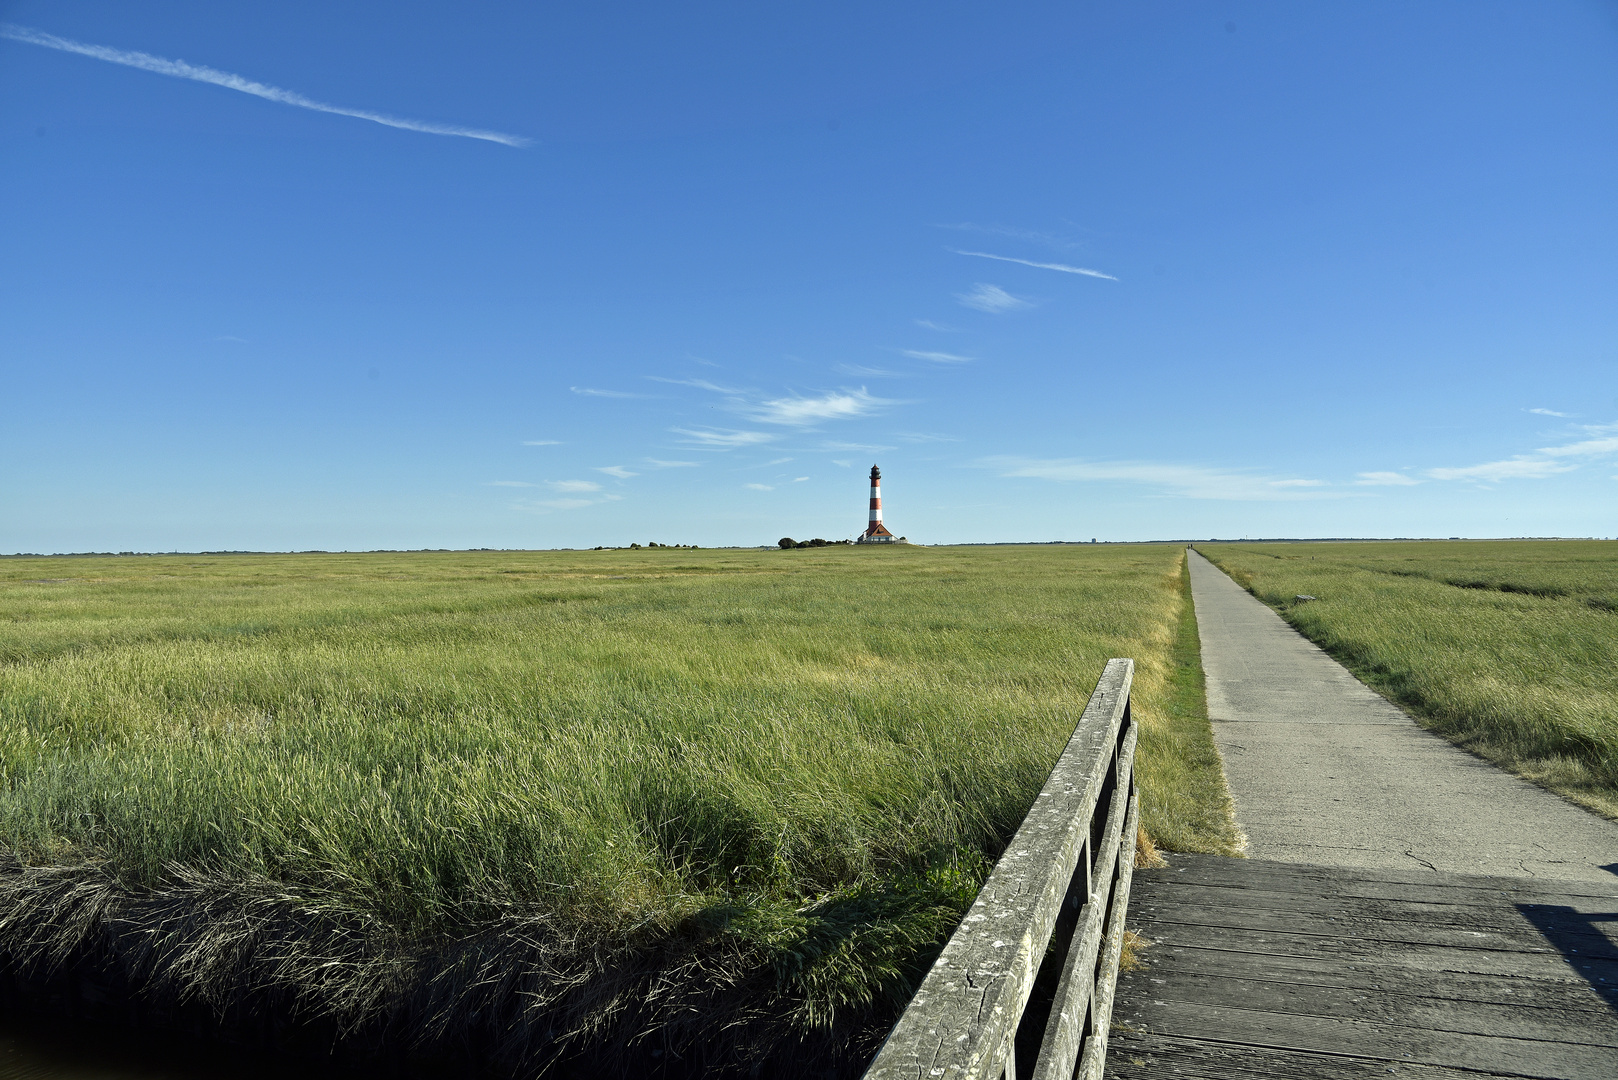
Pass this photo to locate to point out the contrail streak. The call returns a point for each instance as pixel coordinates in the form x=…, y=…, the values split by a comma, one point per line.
x=1066, y=269
x=182, y=70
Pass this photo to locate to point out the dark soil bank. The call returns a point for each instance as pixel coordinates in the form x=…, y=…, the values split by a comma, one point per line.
x=255, y=981
x=74, y=1011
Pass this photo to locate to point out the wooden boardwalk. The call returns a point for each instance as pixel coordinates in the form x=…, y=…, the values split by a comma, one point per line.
x=1293, y=971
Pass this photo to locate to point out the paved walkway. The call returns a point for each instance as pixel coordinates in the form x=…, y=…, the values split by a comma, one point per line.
x=1326, y=771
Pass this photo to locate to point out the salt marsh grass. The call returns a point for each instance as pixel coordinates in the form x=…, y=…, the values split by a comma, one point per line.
x=795, y=764
x=1509, y=648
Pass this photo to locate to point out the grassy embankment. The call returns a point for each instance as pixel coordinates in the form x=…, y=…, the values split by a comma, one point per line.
x=1508, y=648
x=569, y=797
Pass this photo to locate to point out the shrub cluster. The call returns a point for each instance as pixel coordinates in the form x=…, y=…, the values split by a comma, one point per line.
x=787, y=542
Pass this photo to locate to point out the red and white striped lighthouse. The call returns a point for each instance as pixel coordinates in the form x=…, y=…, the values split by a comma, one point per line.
x=876, y=532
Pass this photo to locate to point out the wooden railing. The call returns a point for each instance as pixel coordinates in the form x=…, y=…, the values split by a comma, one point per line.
x=1035, y=961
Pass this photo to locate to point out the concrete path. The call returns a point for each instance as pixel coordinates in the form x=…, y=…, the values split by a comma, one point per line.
x=1326, y=771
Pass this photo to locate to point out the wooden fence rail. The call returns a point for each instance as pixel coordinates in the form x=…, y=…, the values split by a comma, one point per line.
x=1034, y=963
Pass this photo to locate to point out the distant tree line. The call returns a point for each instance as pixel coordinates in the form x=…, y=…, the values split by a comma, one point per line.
x=650, y=544
x=788, y=542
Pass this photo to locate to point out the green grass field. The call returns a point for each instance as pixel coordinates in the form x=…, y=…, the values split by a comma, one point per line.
x=1509, y=648
x=352, y=780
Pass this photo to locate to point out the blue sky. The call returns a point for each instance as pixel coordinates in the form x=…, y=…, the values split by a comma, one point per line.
x=615, y=273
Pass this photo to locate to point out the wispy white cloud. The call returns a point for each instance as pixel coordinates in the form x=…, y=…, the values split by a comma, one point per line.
x=700, y=384
x=723, y=440
x=871, y=372
x=181, y=70
x=590, y=392
x=573, y=485
x=232, y=338
x=794, y=411
x=1518, y=468
x=1385, y=479
x=616, y=470
x=657, y=463
x=758, y=487
x=545, y=506
x=991, y=298
x=509, y=483
x=1607, y=444
x=842, y=463
x=1545, y=462
x=922, y=437
x=936, y=357
x=940, y=327
x=1186, y=481
x=542, y=442
x=802, y=411
x=1550, y=412
x=1063, y=267
x=776, y=461
x=860, y=447
x=799, y=479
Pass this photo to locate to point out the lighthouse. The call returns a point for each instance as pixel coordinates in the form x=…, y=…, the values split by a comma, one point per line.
x=875, y=532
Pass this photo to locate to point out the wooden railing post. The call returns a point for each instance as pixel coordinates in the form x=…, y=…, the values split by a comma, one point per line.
x=962, y=1023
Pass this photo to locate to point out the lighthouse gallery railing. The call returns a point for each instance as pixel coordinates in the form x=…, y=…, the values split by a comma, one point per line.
x=1052, y=910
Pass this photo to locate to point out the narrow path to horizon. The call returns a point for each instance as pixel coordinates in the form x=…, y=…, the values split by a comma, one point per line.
x=1326, y=771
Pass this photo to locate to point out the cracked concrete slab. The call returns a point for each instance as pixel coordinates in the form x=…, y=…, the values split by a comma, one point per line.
x=1326, y=771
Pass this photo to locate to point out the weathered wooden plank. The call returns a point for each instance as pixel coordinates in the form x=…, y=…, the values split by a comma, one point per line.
x=962, y=1020
x=1519, y=1020
x=1137, y=1056
x=1256, y=875
x=1189, y=901
x=1570, y=993
x=1282, y=1031
x=1527, y=927
x=1508, y=931
x=1247, y=873
x=1351, y=950
x=1482, y=932
x=1266, y=881
x=1064, y=1031
x=1533, y=925
x=1485, y=958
